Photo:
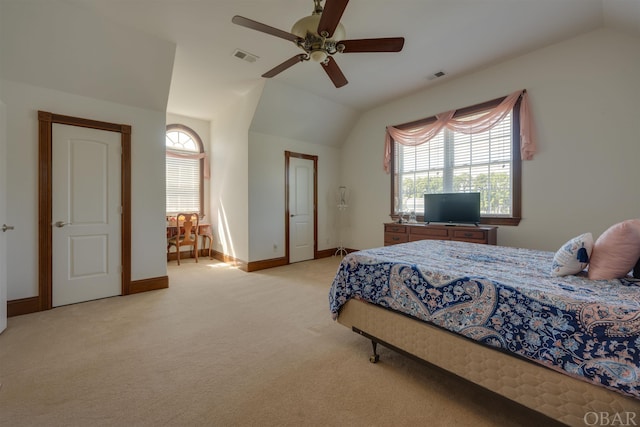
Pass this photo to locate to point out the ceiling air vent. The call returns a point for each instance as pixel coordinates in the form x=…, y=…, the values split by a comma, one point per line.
x=436, y=75
x=245, y=56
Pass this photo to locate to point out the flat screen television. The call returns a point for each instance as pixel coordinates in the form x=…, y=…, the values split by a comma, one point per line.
x=452, y=208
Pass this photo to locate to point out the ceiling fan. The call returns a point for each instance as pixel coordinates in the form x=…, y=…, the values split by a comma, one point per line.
x=320, y=36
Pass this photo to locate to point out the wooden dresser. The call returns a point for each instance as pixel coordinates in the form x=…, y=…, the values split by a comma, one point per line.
x=401, y=233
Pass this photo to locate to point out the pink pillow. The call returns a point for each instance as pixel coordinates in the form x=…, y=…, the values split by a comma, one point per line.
x=616, y=251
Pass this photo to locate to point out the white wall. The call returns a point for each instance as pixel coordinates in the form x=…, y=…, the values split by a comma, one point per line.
x=267, y=193
x=290, y=119
x=230, y=175
x=584, y=96
x=299, y=115
x=147, y=155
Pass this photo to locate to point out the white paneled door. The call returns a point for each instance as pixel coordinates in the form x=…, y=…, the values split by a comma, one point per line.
x=301, y=215
x=3, y=218
x=86, y=214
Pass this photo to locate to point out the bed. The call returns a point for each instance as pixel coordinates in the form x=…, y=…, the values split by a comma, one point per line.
x=568, y=347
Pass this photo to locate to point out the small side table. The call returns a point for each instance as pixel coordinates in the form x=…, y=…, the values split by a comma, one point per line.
x=206, y=232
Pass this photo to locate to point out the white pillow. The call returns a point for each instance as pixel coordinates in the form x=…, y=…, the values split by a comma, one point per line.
x=573, y=256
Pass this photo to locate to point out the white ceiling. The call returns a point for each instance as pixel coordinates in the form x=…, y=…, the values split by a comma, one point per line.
x=454, y=36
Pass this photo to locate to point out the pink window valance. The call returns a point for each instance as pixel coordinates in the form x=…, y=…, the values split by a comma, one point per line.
x=195, y=156
x=424, y=133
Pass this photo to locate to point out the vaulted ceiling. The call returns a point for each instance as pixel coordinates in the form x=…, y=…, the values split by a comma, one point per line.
x=455, y=37
x=452, y=36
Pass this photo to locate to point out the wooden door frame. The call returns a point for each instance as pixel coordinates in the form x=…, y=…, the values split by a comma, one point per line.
x=287, y=156
x=45, y=169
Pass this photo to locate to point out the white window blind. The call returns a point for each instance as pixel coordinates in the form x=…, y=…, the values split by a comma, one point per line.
x=183, y=185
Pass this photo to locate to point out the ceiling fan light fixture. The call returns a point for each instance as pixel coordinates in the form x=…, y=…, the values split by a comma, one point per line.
x=318, y=55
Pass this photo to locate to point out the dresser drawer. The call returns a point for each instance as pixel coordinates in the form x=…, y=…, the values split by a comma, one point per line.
x=395, y=238
x=469, y=235
x=419, y=233
x=395, y=228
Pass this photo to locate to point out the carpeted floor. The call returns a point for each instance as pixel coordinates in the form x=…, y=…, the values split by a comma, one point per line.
x=222, y=347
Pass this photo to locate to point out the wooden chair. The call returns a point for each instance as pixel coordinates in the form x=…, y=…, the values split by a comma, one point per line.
x=186, y=234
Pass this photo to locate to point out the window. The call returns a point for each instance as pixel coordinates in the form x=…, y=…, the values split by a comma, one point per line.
x=487, y=162
x=184, y=174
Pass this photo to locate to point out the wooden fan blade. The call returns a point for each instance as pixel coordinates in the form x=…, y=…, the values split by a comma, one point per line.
x=330, y=18
x=258, y=26
x=391, y=44
x=334, y=72
x=286, y=64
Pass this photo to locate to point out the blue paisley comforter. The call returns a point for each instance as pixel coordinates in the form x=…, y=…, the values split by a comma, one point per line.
x=506, y=298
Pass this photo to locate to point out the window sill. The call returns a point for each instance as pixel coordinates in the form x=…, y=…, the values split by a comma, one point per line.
x=492, y=220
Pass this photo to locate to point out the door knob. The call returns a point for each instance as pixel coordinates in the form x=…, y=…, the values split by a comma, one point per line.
x=61, y=224
x=6, y=227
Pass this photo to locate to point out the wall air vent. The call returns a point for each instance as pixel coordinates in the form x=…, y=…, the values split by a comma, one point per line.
x=245, y=56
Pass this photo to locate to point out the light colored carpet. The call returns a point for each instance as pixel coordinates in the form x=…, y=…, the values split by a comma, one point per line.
x=222, y=347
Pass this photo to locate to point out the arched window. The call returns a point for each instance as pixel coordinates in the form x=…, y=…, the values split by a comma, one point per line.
x=185, y=171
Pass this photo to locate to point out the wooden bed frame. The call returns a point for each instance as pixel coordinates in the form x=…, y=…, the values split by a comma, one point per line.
x=559, y=396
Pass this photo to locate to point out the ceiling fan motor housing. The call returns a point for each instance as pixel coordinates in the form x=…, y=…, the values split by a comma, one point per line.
x=309, y=25
x=316, y=46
